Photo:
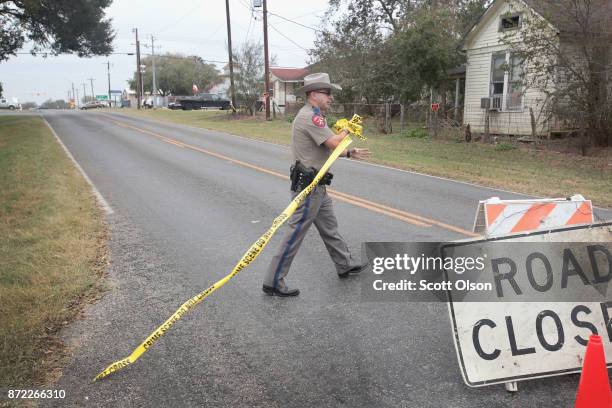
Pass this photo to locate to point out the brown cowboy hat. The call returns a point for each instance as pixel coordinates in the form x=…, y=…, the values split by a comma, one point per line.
x=314, y=82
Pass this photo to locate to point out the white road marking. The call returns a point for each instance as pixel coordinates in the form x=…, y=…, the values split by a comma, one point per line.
x=101, y=201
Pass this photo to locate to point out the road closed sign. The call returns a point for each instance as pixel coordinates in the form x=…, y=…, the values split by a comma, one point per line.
x=550, y=291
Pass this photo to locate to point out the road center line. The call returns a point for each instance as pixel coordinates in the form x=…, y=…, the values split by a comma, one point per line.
x=344, y=197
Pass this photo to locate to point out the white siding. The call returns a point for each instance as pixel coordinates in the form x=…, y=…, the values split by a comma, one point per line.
x=484, y=42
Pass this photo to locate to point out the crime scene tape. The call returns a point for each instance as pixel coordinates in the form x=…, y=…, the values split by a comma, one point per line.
x=246, y=259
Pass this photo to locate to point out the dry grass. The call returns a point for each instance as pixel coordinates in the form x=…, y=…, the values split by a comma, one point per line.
x=52, y=249
x=524, y=169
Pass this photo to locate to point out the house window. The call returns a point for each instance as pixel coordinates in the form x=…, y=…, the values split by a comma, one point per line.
x=498, y=74
x=507, y=72
x=515, y=83
x=510, y=22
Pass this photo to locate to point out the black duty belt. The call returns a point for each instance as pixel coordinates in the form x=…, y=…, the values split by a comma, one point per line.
x=301, y=176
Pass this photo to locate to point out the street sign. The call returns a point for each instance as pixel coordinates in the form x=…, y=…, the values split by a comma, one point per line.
x=102, y=97
x=116, y=92
x=529, y=328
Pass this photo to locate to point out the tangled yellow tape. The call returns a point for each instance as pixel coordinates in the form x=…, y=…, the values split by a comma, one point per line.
x=246, y=259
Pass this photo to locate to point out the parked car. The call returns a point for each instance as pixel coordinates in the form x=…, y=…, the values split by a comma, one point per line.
x=203, y=100
x=174, y=105
x=93, y=105
x=5, y=104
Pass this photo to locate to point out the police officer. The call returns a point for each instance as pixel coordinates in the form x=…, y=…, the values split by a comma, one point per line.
x=312, y=143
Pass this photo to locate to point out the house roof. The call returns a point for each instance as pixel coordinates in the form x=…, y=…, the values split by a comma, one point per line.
x=289, y=74
x=555, y=12
x=546, y=8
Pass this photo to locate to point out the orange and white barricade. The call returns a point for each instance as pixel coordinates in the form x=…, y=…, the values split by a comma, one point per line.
x=496, y=217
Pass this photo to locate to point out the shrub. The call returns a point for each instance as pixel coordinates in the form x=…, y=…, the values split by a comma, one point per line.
x=503, y=147
x=416, y=133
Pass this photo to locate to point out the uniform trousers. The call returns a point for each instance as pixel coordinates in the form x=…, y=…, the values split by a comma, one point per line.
x=316, y=209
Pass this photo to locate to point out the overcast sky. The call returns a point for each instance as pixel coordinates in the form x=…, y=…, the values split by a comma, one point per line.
x=186, y=26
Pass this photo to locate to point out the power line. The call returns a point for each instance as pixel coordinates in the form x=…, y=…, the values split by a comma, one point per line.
x=294, y=22
x=198, y=5
x=249, y=29
x=293, y=42
x=184, y=58
x=245, y=5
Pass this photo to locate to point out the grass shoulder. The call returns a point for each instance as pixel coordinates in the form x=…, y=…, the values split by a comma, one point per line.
x=53, y=250
x=523, y=169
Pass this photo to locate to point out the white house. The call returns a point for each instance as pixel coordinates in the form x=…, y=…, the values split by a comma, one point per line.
x=284, y=83
x=494, y=89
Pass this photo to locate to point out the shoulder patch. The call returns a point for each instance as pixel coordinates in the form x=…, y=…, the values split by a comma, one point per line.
x=318, y=120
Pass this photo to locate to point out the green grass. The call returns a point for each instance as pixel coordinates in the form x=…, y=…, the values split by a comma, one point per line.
x=541, y=173
x=52, y=249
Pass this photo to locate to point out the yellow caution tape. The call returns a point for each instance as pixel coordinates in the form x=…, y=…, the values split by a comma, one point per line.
x=246, y=259
x=353, y=126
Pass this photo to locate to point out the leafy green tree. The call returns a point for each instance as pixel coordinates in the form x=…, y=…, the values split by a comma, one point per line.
x=352, y=54
x=175, y=74
x=369, y=13
x=423, y=52
x=55, y=27
x=391, y=49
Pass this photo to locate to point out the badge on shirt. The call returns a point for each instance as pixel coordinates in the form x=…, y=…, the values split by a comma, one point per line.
x=318, y=120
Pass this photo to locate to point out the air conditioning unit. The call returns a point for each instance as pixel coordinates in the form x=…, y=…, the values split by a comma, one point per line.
x=485, y=103
x=496, y=103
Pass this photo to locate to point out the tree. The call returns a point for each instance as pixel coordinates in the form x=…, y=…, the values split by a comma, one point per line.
x=176, y=74
x=423, y=52
x=1, y=90
x=390, y=49
x=569, y=60
x=379, y=13
x=351, y=53
x=54, y=104
x=55, y=27
x=249, y=74
x=28, y=105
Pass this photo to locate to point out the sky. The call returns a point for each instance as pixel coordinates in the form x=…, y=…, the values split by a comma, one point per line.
x=194, y=27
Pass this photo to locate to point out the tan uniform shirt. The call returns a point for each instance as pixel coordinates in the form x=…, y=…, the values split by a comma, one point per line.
x=308, y=134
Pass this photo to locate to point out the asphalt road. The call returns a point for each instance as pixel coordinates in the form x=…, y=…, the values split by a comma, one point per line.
x=182, y=217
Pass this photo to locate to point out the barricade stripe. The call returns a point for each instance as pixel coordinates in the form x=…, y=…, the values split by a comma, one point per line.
x=248, y=257
x=533, y=217
x=493, y=211
x=583, y=215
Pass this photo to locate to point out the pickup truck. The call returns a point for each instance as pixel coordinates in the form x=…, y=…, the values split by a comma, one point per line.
x=5, y=104
x=203, y=100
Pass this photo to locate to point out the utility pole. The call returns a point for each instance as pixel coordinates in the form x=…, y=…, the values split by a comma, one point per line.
x=231, y=59
x=73, y=98
x=109, y=89
x=153, y=62
x=77, y=98
x=84, y=93
x=138, y=74
x=267, y=67
x=92, y=91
